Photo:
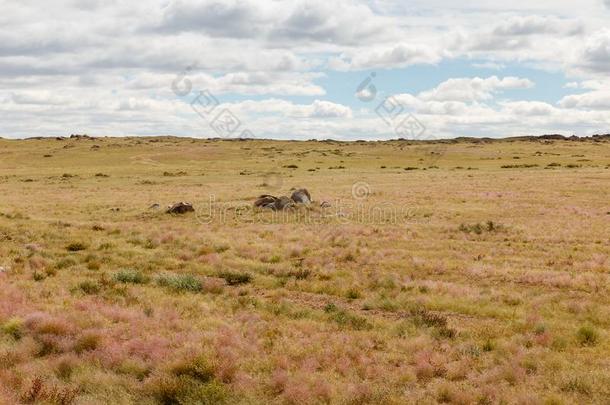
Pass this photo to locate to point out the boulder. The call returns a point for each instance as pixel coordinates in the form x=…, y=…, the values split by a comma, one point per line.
x=283, y=202
x=275, y=203
x=180, y=208
x=301, y=196
x=265, y=201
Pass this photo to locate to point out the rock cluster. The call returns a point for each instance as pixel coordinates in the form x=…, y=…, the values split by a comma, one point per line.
x=300, y=196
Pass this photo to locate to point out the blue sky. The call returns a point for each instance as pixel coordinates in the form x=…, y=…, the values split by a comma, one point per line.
x=291, y=69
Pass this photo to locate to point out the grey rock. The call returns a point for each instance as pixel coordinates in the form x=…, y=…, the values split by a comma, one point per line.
x=180, y=208
x=301, y=196
x=275, y=203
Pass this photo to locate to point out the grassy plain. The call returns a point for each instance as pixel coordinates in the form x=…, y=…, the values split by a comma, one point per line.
x=459, y=273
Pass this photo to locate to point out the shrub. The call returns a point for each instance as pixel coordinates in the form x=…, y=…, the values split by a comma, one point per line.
x=587, y=336
x=177, y=282
x=93, y=264
x=299, y=273
x=37, y=391
x=578, y=385
x=65, y=263
x=489, y=345
x=479, y=228
x=130, y=276
x=275, y=259
x=65, y=367
x=221, y=248
x=89, y=287
x=89, y=341
x=136, y=368
x=14, y=328
x=422, y=316
x=235, y=278
x=353, y=293
x=198, y=368
x=344, y=318
x=76, y=247
x=169, y=389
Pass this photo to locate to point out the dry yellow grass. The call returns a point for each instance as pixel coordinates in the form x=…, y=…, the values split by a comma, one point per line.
x=481, y=279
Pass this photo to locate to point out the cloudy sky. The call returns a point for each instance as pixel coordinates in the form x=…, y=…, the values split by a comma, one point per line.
x=304, y=69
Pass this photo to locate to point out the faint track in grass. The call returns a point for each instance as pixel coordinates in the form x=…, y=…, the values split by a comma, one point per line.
x=320, y=301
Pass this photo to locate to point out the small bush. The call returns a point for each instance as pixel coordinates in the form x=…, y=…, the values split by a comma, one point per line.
x=136, y=368
x=422, y=316
x=235, y=278
x=587, y=336
x=89, y=287
x=488, y=346
x=578, y=385
x=169, y=389
x=198, y=368
x=479, y=228
x=184, y=282
x=76, y=247
x=65, y=367
x=14, y=328
x=130, y=276
x=344, y=318
x=299, y=273
x=275, y=259
x=221, y=248
x=87, y=342
x=65, y=263
x=353, y=293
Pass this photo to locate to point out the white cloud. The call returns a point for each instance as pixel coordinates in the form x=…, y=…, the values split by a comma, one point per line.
x=475, y=89
x=594, y=100
x=594, y=55
x=528, y=108
x=106, y=67
x=400, y=55
x=326, y=109
x=536, y=25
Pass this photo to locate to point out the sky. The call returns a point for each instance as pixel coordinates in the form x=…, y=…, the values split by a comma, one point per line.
x=304, y=69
